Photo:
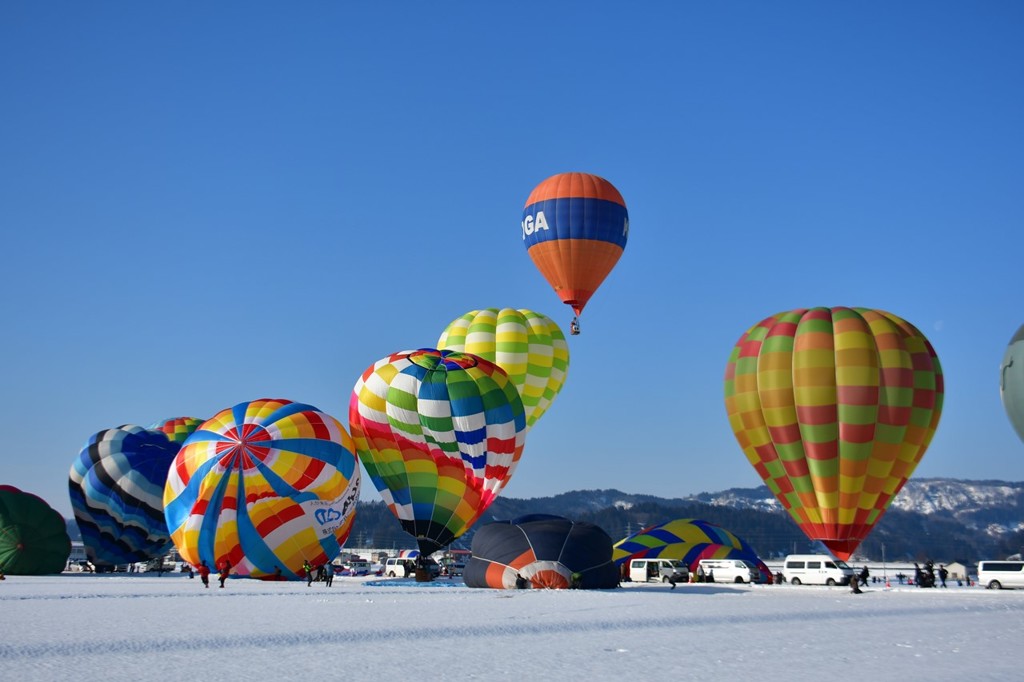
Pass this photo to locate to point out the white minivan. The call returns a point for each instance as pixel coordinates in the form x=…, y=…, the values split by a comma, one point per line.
x=816, y=569
x=730, y=570
x=658, y=570
x=995, y=575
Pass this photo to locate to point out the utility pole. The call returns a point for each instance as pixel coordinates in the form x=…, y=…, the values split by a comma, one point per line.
x=885, y=574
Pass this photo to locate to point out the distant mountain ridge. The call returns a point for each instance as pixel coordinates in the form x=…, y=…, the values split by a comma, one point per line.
x=941, y=518
x=972, y=502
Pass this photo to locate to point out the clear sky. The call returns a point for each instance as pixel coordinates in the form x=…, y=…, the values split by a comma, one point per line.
x=206, y=203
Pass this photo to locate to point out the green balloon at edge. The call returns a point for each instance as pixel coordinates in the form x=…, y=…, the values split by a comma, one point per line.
x=33, y=535
x=1011, y=381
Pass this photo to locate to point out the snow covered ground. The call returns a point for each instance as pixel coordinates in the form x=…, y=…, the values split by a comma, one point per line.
x=143, y=627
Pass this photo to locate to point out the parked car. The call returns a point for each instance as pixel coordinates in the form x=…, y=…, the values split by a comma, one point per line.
x=359, y=568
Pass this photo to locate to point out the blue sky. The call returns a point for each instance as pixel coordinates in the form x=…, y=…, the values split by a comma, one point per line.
x=208, y=204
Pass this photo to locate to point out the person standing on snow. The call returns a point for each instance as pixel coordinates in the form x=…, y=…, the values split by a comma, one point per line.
x=204, y=573
x=225, y=571
x=309, y=572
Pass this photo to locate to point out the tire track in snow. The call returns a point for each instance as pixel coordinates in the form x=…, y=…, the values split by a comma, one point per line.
x=107, y=646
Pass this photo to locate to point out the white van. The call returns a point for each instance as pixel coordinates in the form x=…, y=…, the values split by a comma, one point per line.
x=394, y=567
x=730, y=570
x=816, y=569
x=657, y=570
x=995, y=575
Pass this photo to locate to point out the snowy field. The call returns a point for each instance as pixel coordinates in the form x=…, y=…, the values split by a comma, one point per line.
x=143, y=627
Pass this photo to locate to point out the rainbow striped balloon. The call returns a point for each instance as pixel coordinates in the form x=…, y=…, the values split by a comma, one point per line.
x=440, y=434
x=834, y=408
x=264, y=484
x=527, y=345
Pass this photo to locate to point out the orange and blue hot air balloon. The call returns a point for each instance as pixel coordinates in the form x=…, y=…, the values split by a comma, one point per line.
x=575, y=227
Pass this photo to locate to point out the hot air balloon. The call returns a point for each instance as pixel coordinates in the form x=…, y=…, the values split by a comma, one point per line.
x=527, y=345
x=544, y=549
x=265, y=484
x=440, y=433
x=1011, y=381
x=575, y=227
x=33, y=535
x=688, y=540
x=116, y=486
x=834, y=408
x=177, y=428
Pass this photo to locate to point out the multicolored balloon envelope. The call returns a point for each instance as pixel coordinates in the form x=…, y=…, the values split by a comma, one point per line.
x=1011, y=381
x=33, y=536
x=575, y=227
x=177, y=428
x=544, y=549
x=116, y=486
x=688, y=540
x=440, y=433
x=834, y=408
x=265, y=484
x=527, y=345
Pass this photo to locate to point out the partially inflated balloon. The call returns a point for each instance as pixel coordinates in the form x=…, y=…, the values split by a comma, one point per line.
x=33, y=536
x=688, y=540
x=116, y=486
x=1011, y=381
x=177, y=428
x=546, y=550
x=527, y=345
x=265, y=484
x=575, y=227
x=440, y=434
x=834, y=408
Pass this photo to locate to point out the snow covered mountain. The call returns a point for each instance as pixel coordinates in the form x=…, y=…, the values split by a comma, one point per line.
x=993, y=506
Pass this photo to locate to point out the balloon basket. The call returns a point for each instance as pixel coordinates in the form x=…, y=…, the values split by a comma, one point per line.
x=423, y=575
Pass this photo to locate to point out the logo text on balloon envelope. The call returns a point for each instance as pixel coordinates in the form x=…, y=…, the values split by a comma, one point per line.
x=330, y=514
x=533, y=224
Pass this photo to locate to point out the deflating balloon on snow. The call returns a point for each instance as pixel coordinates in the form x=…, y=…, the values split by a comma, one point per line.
x=440, y=433
x=116, y=486
x=688, y=540
x=177, y=428
x=575, y=227
x=834, y=408
x=527, y=345
x=544, y=549
x=264, y=484
x=1011, y=381
x=33, y=535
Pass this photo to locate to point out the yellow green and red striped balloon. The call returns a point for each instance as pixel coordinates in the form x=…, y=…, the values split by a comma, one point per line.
x=527, y=345
x=265, y=484
x=834, y=408
x=177, y=429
